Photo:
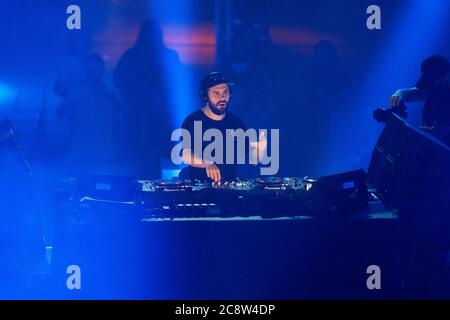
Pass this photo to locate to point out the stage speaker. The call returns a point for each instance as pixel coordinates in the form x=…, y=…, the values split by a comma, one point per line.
x=343, y=193
x=410, y=172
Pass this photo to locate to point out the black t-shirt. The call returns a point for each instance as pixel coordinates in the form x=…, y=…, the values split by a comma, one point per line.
x=228, y=171
x=437, y=105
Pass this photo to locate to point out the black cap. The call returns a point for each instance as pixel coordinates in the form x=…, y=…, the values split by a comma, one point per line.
x=213, y=79
x=432, y=69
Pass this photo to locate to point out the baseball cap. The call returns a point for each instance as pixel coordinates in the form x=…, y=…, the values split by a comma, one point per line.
x=213, y=79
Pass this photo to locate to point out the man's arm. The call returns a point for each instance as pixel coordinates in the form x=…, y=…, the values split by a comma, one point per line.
x=407, y=95
x=192, y=160
x=212, y=171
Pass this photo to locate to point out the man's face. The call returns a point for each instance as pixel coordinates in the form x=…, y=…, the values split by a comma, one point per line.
x=218, y=98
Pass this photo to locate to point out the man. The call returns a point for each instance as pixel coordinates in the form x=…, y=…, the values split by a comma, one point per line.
x=433, y=87
x=140, y=79
x=215, y=94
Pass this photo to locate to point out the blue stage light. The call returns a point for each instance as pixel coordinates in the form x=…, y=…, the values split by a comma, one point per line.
x=7, y=94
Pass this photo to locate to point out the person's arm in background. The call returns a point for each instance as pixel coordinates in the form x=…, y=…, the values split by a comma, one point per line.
x=407, y=95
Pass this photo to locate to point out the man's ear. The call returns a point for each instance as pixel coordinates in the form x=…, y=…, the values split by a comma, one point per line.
x=205, y=95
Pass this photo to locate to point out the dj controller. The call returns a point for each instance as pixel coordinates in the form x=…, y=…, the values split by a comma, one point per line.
x=263, y=196
x=267, y=196
x=179, y=185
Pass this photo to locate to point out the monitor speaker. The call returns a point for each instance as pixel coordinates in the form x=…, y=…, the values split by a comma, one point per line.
x=343, y=193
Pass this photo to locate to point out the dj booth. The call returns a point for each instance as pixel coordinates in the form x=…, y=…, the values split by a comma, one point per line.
x=159, y=246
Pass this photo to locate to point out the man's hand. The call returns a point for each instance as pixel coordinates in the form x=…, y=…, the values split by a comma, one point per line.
x=213, y=172
x=259, y=147
x=262, y=142
x=396, y=99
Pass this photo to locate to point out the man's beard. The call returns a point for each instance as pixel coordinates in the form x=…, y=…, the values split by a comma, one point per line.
x=216, y=109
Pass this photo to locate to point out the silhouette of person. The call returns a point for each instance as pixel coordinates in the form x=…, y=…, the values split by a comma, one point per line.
x=433, y=87
x=323, y=103
x=71, y=71
x=91, y=109
x=266, y=74
x=142, y=79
